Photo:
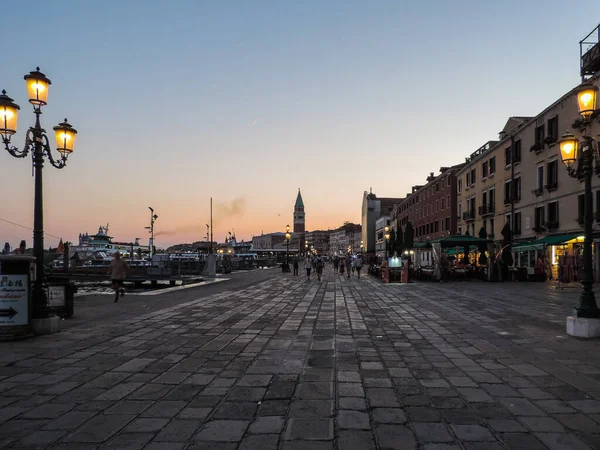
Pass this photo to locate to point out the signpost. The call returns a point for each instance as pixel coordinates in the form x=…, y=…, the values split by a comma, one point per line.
x=14, y=301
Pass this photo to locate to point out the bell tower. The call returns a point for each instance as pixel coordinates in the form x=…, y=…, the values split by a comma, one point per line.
x=299, y=218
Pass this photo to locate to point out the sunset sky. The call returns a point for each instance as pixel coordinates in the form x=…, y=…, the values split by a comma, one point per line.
x=247, y=101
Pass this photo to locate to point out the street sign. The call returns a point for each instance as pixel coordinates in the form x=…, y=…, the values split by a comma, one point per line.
x=56, y=295
x=14, y=300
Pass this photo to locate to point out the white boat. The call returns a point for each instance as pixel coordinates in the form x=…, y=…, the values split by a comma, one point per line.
x=102, y=242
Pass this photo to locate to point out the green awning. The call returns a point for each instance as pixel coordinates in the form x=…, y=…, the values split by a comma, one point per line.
x=556, y=239
x=559, y=238
x=459, y=241
x=423, y=244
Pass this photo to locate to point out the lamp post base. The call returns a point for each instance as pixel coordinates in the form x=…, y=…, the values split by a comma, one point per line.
x=583, y=327
x=47, y=325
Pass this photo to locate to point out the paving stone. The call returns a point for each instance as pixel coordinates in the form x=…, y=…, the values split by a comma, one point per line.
x=263, y=442
x=129, y=407
x=307, y=445
x=475, y=395
x=267, y=425
x=100, y=428
x=350, y=390
x=347, y=419
x=507, y=425
x=521, y=407
x=164, y=408
x=542, y=424
x=311, y=408
x=381, y=397
x=355, y=440
x=438, y=446
x=395, y=437
x=423, y=414
x=309, y=429
x=255, y=380
x=69, y=421
x=280, y=389
x=355, y=403
x=348, y=377
x=143, y=425
x=273, y=408
x=578, y=422
x=207, y=445
x=462, y=416
x=586, y=406
x=236, y=410
x=194, y=413
x=223, y=430
x=432, y=432
x=246, y=394
x=562, y=441
x=128, y=441
x=554, y=406
x=178, y=430
x=41, y=439
x=48, y=411
x=472, y=433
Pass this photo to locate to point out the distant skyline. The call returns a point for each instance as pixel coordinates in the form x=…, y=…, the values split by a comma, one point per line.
x=246, y=102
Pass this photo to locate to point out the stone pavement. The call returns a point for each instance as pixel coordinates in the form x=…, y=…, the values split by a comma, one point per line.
x=294, y=365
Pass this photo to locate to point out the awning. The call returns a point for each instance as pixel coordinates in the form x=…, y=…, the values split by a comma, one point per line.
x=556, y=239
x=426, y=244
x=460, y=241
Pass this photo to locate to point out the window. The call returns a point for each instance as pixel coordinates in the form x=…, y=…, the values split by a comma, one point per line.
x=491, y=233
x=437, y=205
x=552, y=175
x=447, y=223
x=517, y=155
x=436, y=227
x=507, y=220
x=581, y=208
x=437, y=187
x=517, y=189
x=459, y=209
x=484, y=226
x=517, y=224
x=492, y=165
x=492, y=197
x=459, y=229
x=484, y=199
x=484, y=170
x=539, y=134
x=507, y=192
x=443, y=203
x=473, y=176
x=448, y=200
x=468, y=179
x=507, y=156
x=540, y=180
x=459, y=185
x=552, y=221
x=553, y=129
x=448, y=182
x=597, y=206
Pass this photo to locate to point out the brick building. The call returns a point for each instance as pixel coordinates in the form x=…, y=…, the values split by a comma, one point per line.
x=431, y=208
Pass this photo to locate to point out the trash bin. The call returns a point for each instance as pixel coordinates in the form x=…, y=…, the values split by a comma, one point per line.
x=61, y=298
x=15, y=296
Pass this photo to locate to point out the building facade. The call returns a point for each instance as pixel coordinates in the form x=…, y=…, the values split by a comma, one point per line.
x=347, y=237
x=380, y=243
x=430, y=208
x=318, y=240
x=372, y=209
x=300, y=220
x=267, y=241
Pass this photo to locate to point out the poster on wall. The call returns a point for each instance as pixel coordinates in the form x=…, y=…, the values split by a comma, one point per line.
x=14, y=307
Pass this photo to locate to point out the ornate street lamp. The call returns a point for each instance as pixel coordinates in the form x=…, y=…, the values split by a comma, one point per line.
x=362, y=246
x=569, y=150
x=387, y=241
x=286, y=265
x=38, y=144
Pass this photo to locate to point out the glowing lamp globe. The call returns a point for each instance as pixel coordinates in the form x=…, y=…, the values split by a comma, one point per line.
x=569, y=149
x=65, y=138
x=37, y=87
x=587, y=96
x=9, y=113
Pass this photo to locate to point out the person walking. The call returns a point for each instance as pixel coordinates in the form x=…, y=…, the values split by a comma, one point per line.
x=118, y=271
x=308, y=266
x=342, y=266
x=358, y=265
x=349, y=265
x=296, y=265
x=336, y=263
x=319, y=263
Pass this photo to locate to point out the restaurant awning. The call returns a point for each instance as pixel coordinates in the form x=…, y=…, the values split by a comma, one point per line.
x=459, y=241
x=426, y=244
x=556, y=239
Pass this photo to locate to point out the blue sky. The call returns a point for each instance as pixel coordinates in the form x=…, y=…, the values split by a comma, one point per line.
x=177, y=102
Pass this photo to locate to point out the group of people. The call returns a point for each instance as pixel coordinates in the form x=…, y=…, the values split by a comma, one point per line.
x=348, y=265
x=315, y=263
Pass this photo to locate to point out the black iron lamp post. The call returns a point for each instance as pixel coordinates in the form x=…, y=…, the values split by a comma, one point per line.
x=362, y=246
x=38, y=144
x=288, y=236
x=569, y=150
x=387, y=241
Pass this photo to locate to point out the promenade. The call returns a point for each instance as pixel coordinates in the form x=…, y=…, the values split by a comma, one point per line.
x=294, y=365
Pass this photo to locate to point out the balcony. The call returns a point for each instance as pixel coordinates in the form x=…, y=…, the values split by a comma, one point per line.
x=552, y=186
x=469, y=216
x=537, y=147
x=551, y=225
x=487, y=210
x=537, y=192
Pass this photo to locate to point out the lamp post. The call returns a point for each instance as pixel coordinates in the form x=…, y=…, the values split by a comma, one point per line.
x=37, y=142
x=150, y=229
x=387, y=241
x=362, y=246
x=579, y=324
x=285, y=267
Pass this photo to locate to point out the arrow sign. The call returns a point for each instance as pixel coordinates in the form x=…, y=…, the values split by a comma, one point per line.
x=10, y=312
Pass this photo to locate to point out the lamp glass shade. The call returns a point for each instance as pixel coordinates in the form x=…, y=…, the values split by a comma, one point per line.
x=287, y=228
x=65, y=138
x=587, y=96
x=37, y=87
x=9, y=114
x=569, y=149
x=387, y=237
x=288, y=236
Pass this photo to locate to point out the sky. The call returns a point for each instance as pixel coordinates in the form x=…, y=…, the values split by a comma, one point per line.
x=247, y=101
